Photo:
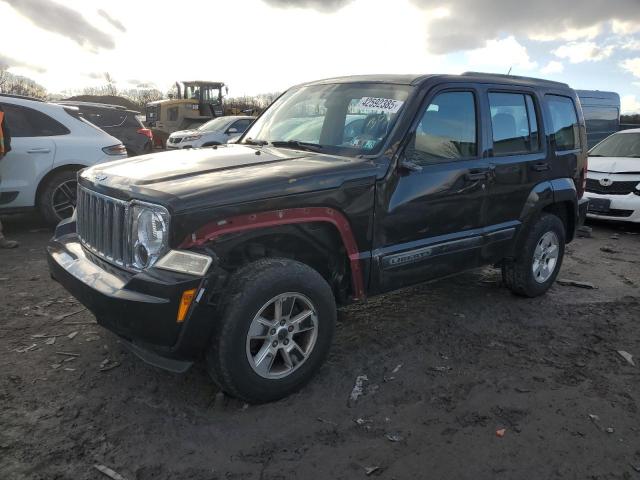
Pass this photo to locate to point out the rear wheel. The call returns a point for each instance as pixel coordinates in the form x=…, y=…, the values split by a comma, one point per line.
x=57, y=197
x=537, y=266
x=274, y=330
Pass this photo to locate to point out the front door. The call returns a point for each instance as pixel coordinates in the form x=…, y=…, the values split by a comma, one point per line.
x=430, y=212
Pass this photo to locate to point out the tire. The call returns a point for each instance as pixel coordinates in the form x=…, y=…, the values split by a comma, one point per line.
x=519, y=275
x=57, y=188
x=233, y=360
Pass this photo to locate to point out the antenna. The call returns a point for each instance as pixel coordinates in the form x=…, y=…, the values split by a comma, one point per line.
x=509, y=72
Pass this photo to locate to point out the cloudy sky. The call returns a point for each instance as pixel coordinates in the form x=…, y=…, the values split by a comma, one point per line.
x=258, y=46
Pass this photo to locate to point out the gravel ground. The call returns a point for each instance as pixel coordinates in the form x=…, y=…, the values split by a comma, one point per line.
x=448, y=366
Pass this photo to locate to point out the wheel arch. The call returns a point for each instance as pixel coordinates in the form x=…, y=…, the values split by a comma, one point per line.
x=43, y=181
x=557, y=197
x=317, y=236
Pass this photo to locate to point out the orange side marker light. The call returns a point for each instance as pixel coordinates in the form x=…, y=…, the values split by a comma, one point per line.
x=185, y=303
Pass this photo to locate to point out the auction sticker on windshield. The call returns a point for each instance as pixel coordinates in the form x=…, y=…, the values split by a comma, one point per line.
x=388, y=105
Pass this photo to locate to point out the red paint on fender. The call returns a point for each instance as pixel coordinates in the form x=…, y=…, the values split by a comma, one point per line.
x=253, y=221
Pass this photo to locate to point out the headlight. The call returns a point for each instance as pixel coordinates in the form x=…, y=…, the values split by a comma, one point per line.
x=191, y=137
x=149, y=233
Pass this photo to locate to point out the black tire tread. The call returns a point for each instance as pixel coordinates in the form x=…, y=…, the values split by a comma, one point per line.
x=239, y=291
x=516, y=273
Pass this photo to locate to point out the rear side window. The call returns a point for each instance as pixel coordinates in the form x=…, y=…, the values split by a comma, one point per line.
x=514, y=125
x=564, y=122
x=103, y=117
x=447, y=130
x=27, y=122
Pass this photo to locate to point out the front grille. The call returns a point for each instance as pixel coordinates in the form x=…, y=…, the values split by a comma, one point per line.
x=102, y=225
x=616, y=188
x=175, y=140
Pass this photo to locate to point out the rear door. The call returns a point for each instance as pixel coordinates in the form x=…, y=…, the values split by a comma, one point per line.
x=430, y=212
x=31, y=156
x=518, y=160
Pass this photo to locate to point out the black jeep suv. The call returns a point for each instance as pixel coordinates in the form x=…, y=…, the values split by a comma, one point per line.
x=342, y=189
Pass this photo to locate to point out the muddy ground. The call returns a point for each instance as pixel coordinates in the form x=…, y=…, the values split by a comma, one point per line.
x=448, y=364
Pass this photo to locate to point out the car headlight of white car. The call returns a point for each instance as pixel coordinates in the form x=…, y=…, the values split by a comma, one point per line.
x=190, y=138
x=149, y=233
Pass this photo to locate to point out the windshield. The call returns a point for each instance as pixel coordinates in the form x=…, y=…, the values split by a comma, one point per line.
x=215, y=124
x=346, y=119
x=618, y=145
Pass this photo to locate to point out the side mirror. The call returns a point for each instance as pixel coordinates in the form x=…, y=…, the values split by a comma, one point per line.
x=232, y=130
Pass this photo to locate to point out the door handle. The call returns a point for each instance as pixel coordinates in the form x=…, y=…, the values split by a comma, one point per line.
x=540, y=167
x=475, y=175
x=39, y=150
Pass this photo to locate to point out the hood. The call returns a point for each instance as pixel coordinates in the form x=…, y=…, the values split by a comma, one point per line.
x=614, y=164
x=205, y=177
x=183, y=133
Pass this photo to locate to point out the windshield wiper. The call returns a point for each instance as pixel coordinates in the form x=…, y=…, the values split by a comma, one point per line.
x=311, y=147
x=251, y=141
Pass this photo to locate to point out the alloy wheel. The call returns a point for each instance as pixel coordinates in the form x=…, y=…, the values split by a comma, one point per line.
x=282, y=335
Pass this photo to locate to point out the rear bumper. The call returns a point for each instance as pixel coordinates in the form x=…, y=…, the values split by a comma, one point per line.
x=139, y=307
x=583, y=208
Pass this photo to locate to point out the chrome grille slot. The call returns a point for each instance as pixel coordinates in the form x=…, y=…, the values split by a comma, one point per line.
x=101, y=225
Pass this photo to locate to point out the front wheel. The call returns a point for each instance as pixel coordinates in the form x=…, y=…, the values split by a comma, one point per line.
x=274, y=330
x=538, y=263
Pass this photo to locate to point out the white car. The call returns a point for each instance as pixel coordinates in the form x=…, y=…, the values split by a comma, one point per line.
x=215, y=132
x=49, y=144
x=613, y=179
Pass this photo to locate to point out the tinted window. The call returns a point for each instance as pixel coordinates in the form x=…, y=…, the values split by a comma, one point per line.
x=103, y=117
x=618, y=145
x=447, y=130
x=241, y=125
x=564, y=122
x=27, y=122
x=513, y=122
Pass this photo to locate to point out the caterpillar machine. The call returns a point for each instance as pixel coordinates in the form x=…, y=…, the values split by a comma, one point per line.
x=195, y=103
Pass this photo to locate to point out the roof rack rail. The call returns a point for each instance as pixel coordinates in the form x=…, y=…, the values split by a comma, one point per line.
x=21, y=97
x=75, y=103
x=514, y=77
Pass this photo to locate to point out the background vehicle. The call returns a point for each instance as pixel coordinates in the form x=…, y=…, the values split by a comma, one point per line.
x=214, y=132
x=613, y=180
x=196, y=102
x=601, y=113
x=238, y=255
x=119, y=122
x=50, y=143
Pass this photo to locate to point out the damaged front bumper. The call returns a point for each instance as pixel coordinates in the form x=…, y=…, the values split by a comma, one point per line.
x=140, y=307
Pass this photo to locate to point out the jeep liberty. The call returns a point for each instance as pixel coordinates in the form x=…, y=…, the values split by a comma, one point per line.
x=345, y=188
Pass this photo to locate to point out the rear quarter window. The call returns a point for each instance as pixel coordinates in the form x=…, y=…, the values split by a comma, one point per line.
x=27, y=122
x=564, y=122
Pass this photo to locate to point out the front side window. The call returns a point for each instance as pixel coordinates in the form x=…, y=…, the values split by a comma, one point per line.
x=27, y=122
x=447, y=130
x=346, y=119
x=618, y=145
x=564, y=122
x=513, y=122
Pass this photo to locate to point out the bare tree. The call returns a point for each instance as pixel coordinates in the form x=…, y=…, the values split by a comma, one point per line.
x=18, y=85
